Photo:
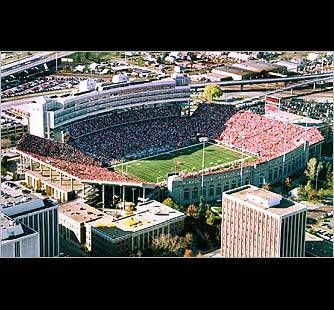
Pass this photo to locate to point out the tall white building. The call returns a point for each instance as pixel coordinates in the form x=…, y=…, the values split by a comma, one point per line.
x=259, y=223
x=17, y=240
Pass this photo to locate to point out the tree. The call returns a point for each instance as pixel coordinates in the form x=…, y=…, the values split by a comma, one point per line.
x=327, y=167
x=310, y=170
x=130, y=208
x=321, y=193
x=301, y=191
x=312, y=194
x=77, y=57
x=287, y=183
x=318, y=169
x=202, y=208
x=308, y=187
x=15, y=176
x=267, y=186
x=188, y=253
x=312, y=231
x=169, y=202
x=212, y=91
x=5, y=143
x=210, y=217
x=329, y=174
x=192, y=211
x=88, y=55
x=167, y=245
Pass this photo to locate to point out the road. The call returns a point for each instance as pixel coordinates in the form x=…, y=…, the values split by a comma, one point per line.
x=264, y=95
x=34, y=61
x=4, y=68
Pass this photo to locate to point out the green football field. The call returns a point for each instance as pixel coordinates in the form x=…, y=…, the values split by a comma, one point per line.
x=155, y=169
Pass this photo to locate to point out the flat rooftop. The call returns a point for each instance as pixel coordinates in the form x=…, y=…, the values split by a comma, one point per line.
x=12, y=230
x=291, y=118
x=257, y=66
x=79, y=211
x=262, y=193
x=234, y=70
x=284, y=207
x=15, y=202
x=147, y=215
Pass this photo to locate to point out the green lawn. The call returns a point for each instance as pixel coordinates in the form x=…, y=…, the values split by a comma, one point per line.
x=155, y=169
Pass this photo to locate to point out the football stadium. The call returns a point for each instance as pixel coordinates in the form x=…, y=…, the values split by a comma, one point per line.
x=129, y=142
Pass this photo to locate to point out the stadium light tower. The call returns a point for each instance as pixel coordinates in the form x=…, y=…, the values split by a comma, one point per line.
x=203, y=139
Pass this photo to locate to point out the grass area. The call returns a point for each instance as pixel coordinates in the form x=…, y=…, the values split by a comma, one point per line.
x=155, y=169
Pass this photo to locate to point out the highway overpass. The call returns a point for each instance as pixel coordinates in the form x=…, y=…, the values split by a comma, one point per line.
x=31, y=62
x=290, y=87
x=199, y=86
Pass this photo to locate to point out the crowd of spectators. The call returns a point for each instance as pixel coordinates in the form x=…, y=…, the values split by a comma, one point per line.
x=318, y=110
x=117, y=118
x=260, y=136
x=67, y=159
x=148, y=133
x=265, y=137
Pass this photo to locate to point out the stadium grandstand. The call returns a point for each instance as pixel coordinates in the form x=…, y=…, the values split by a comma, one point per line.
x=50, y=116
x=321, y=110
x=135, y=137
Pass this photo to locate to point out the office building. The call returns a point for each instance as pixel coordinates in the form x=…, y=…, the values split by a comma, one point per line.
x=260, y=223
x=117, y=232
x=133, y=232
x=232, y=72
x=260, y=67
x=41, y=215
x=72, y=218
x=16, y=239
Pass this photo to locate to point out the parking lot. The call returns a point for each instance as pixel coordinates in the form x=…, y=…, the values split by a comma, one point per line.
x=40, y=85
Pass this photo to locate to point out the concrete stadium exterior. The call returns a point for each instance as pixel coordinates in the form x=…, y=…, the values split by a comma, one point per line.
x=186, y=190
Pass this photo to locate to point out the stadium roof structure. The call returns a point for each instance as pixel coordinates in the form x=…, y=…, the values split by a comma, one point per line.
x=295, y=119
